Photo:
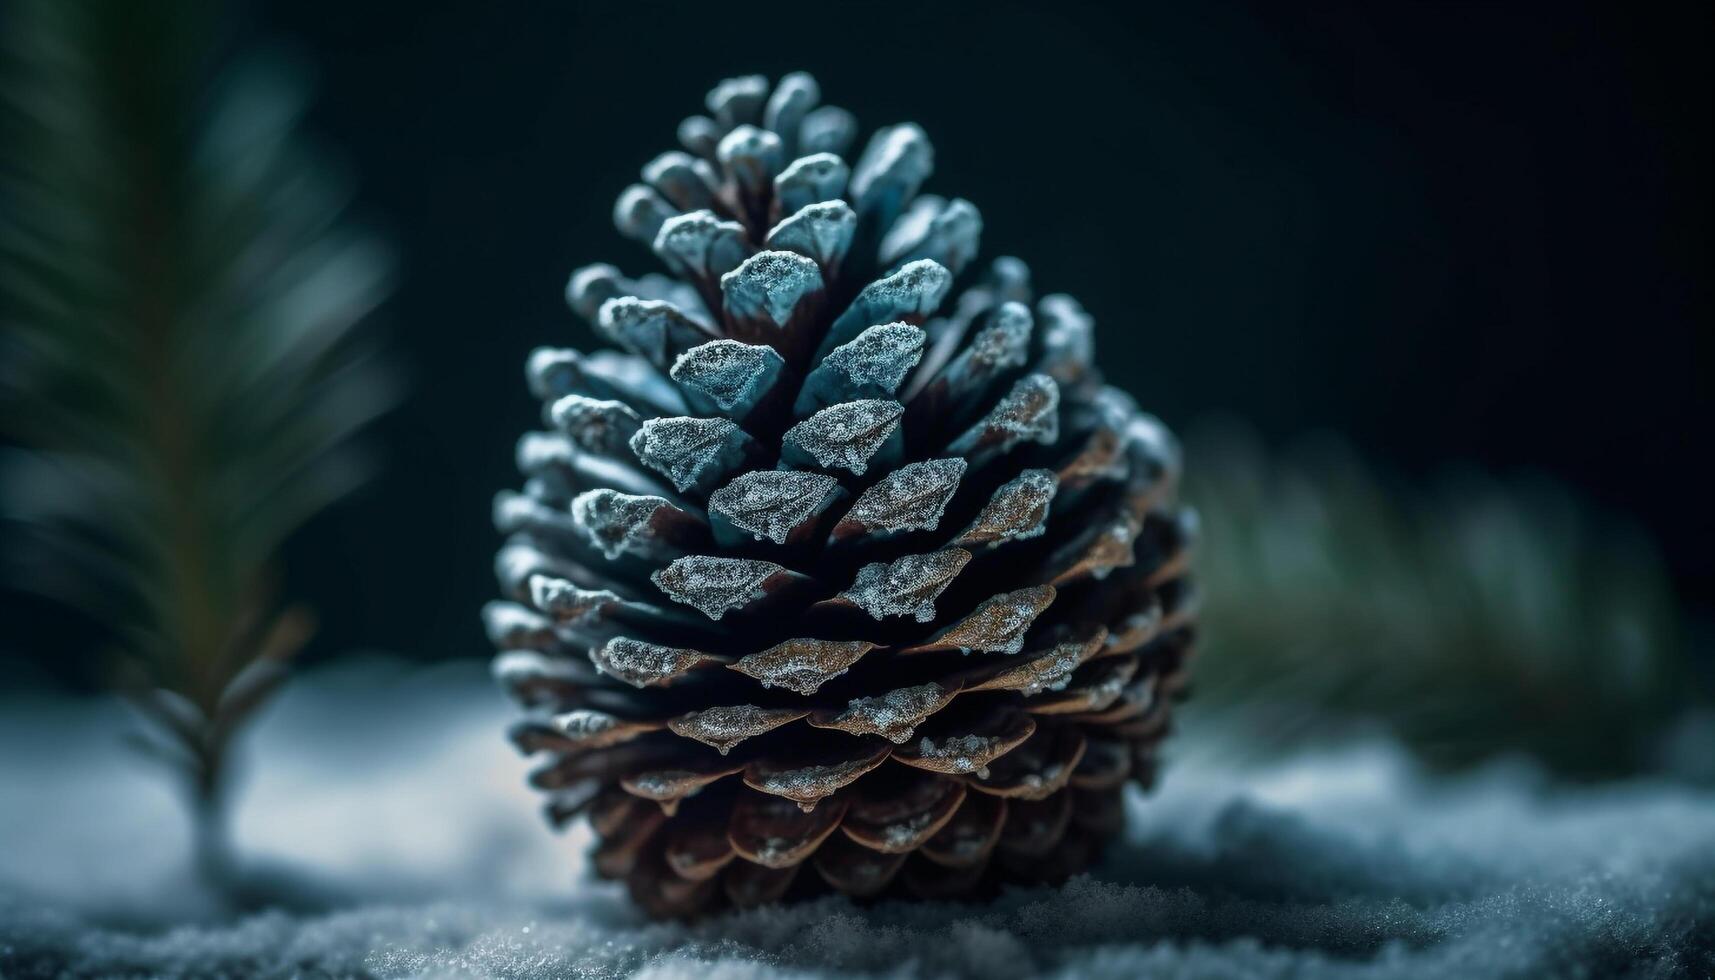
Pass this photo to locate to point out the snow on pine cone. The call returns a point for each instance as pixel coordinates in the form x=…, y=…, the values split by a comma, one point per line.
x=834, y=575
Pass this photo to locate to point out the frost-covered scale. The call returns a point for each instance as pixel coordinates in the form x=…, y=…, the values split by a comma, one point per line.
x=843, y=569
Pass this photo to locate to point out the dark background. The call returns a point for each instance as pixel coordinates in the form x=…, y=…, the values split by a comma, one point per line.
x=1450, y=232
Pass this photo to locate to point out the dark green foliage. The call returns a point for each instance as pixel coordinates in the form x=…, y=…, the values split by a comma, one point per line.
x=1483, y=617
x=183, y=367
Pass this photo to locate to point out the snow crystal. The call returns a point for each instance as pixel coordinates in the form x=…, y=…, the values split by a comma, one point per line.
x=683, y=179
x=1005, y=342
x=593, y=729
x=751, y=156
x=807, y=784
x=997, y=625
x=1068, y=335
x=946, y=231
x=737, y=100
x=827, y=129
x=964, y=753
x=565, y=601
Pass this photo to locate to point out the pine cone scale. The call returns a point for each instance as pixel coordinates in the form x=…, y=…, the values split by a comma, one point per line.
x=830, y=565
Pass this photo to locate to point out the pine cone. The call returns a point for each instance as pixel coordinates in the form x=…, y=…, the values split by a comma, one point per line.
x=834, y=577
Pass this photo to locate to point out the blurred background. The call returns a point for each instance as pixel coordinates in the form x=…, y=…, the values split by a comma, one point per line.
x=1425, y=288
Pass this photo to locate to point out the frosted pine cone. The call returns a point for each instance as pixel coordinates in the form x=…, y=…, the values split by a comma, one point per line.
x=834, y=576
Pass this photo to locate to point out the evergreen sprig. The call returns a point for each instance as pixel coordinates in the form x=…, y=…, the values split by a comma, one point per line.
x=1476, y=618
x=185, y=371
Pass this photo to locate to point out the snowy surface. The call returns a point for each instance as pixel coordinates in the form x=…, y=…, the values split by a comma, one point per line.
x=391, y=801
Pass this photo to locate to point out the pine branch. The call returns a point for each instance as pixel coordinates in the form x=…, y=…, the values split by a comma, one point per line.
x=184, y=364
x=1481, y=617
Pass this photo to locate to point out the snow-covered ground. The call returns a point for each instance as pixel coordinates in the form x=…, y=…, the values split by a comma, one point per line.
x=389, y=798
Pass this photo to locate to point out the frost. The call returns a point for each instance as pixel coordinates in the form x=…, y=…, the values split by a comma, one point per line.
x=911, y=498
x=809, y=180
x=596, y=729
x=906, y=586
x=871, y=365
x=893, y=716
x=896, y=162
x=725, y=727
x=683, y=179
x=946, y=231
x=566, y=602
x=845, y=436
x=651, y=328
x=701, y=246
x=751, y=156
x=1028, y=413
x=1004, y=343
x=795, y=95
x=730, y=376
x=737, y=100
x=802, y=665
x=596, y=425
x=771, y=503
x=827, y=129
x=769, y=286
x=997, y=625
x=1348, y=863
x=643, y=664
x=1098, y=552
x=822, y=231
x=912, y=293
x=1018, y=510
x=691, y=452
x=715, y=586
x=962, y=753
x=617, y=523
x=807, y=784
x=640, y=212
x=1068, y=336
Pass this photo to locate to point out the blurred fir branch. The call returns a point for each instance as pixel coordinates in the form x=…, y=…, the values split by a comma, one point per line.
x=182, y=364
x=1482, y=617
